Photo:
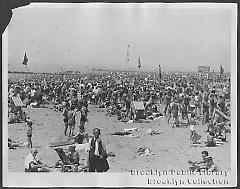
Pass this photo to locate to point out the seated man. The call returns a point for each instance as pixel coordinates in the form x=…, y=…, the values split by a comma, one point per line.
x=73, y=156
x=32, y=164
x=206, y=164
x=69, y=160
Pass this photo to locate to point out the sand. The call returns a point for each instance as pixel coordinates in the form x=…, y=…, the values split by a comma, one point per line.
x=172, y=147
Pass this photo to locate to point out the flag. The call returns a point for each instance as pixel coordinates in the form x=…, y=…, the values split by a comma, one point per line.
x=160, y=73
x=25, y=60
x=221, y=70
x=139, y=63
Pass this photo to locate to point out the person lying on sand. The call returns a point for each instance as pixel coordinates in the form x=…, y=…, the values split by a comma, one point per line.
x=13, y=144
x=206, y=164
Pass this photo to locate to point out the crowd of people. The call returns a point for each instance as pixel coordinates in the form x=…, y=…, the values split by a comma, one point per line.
x=187, y=99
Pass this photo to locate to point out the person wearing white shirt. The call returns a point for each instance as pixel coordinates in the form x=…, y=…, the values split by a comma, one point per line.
x=97, y=153
x=32, y=163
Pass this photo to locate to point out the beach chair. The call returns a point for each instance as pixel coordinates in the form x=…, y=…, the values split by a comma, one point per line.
x=66, y=166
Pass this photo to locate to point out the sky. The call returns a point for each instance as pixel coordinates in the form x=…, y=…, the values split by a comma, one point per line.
x=77, y=37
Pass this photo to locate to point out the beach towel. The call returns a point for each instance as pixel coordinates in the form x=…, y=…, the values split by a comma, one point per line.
x=122, y=133
x=153, y=132
x=131, y=129
x=145, y=151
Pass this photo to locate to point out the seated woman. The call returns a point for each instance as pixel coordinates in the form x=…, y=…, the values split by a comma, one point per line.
x=33, y=164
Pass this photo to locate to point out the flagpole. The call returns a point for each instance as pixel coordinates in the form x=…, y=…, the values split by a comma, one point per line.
x=159, y=73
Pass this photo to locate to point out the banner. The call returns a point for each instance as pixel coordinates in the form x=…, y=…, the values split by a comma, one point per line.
x=221, y=70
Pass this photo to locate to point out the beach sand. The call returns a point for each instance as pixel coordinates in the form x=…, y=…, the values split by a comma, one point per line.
x=171, y=147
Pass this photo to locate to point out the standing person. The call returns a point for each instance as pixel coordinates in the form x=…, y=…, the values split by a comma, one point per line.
x=175, y=109
x=83, y=118
x=205, y=106
x=65, y=117
x=193, y=135
x=168, y=101
x=185, y=107
x=71, y=121
x=97, y=154
x=221, y=104
x=128, y=106
x=212, y=104
x=29, y=134
x=197, y=104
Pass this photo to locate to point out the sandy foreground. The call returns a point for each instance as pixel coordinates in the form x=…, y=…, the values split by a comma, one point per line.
x=172, y=147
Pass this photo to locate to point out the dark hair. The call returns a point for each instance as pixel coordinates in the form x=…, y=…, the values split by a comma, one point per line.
x=97, y=129
x=205, y=152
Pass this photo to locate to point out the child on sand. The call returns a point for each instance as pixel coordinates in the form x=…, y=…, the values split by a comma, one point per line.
x=65, y=117
x=206, y=164
x=29, y=134
x=71, y=120
x=193, y=135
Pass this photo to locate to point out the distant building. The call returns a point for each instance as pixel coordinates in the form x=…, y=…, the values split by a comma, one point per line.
x=203, y=69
